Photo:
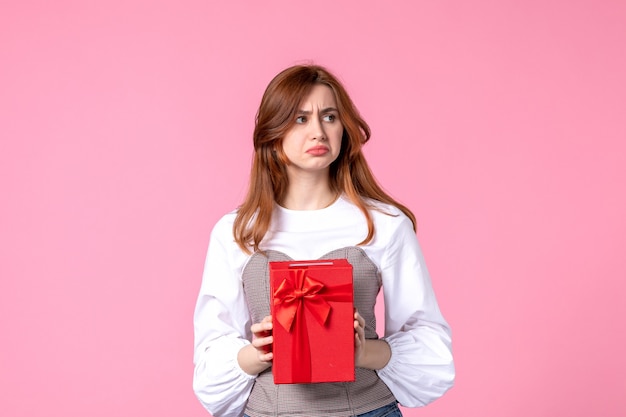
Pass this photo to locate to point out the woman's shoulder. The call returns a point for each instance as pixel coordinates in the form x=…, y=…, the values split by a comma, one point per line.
x=388, y=218
x=223, y=235
x=384, y=211
x=223, y=228
x=380, y=206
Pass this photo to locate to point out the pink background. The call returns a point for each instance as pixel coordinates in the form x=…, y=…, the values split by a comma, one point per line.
x=125, y=133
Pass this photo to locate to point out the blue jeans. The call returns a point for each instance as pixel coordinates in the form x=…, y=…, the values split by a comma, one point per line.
x=389, y=410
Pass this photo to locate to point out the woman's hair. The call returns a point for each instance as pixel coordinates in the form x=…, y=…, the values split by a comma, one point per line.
x=349, y=173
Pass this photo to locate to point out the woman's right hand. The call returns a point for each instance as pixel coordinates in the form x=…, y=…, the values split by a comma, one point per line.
x=257, y=356
x=263, y=339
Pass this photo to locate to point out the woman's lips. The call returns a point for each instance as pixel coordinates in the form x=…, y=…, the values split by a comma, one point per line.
x=318, y=150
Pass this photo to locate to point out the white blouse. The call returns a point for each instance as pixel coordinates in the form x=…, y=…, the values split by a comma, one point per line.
x=421, y=368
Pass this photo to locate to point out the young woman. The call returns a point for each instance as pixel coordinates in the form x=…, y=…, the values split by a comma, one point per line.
x=313, y=196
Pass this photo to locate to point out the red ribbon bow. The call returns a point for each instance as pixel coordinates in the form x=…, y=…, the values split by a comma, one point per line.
x=298, y=291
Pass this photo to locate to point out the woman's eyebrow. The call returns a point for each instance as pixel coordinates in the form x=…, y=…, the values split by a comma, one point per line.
x=325, y=110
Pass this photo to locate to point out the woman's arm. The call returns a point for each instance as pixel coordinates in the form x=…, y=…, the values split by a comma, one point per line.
x=221, y=328
x=420, y=368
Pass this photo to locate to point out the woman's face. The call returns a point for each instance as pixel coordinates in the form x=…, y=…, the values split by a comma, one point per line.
x=314, y=141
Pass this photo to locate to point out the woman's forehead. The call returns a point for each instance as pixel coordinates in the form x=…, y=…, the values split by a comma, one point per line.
x=320, y=96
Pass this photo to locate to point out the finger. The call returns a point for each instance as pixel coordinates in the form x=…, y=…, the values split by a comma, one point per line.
x=359, y=317
x=260, y=328
x=359, y=323
x=359, y=332
x=358, y=340
x=260, y=343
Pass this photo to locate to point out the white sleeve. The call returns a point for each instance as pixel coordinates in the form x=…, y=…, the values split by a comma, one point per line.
x=421, y=368
x=221, y=329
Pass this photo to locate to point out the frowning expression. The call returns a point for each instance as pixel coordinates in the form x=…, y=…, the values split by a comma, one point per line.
x=314, y=141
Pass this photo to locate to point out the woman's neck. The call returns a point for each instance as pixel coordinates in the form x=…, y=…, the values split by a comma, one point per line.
x=308, y=194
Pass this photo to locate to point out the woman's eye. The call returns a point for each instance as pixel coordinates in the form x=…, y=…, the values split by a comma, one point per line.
x=300, y=119
x=330, y=118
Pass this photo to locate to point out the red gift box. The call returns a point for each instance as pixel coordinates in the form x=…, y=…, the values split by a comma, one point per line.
x=313, y=314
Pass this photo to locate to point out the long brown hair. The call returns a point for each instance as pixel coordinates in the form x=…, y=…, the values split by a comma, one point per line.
x=349, y=173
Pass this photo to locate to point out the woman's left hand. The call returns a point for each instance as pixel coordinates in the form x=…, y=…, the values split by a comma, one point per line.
x=359, y=338
x=370, y=353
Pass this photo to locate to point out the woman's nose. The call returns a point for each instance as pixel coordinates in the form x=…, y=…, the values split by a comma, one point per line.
x=317, y=129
